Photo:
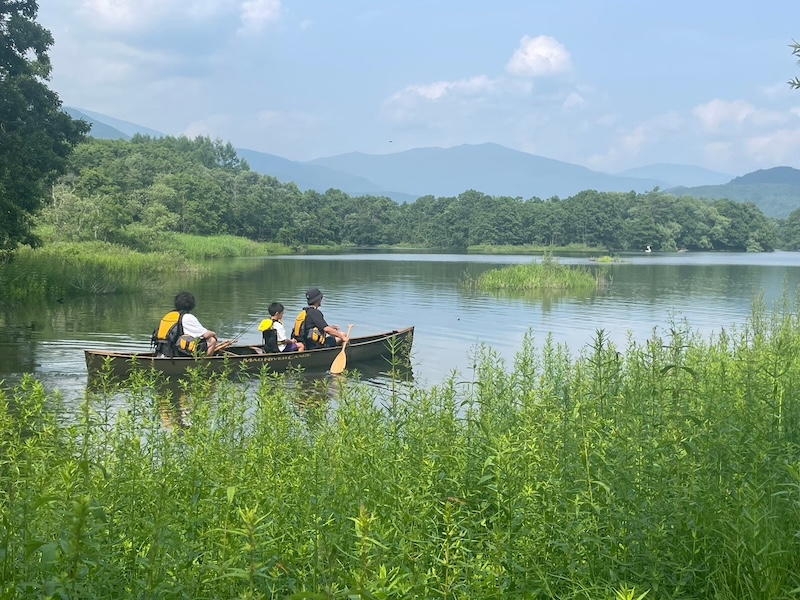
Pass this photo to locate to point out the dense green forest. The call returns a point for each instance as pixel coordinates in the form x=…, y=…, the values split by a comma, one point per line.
x=133, y=192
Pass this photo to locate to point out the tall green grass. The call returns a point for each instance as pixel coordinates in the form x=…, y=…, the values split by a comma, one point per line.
x=86, y=268
x=669, y=468
x=548, y=274
x=197, y=247
x=61, y=269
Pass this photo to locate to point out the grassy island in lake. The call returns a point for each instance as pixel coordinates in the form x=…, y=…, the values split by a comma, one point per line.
x=548, y=274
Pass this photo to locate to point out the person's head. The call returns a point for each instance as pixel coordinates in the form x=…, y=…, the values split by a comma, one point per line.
x=184, y=301
x=313, y=297
x=276, y=310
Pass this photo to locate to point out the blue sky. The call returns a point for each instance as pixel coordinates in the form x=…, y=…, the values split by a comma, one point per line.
x=608, y=84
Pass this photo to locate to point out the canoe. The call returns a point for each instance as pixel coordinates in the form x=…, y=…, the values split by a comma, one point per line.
x=368, y=350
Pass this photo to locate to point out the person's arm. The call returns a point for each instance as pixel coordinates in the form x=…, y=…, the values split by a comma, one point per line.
x=337, y=333
x=193, y=327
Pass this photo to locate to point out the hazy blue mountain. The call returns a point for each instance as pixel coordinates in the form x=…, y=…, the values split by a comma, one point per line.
x=777, y=175
x=306, y=176
x=674, y=175
x=100, y=130
x=776, y=200
x=126, y=127
x=491, y=169
x=315, y=177
x=488, y=168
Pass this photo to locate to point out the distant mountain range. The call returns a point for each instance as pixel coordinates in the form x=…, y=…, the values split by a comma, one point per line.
x=775, y=191
x=674, y=175
x=491, y=169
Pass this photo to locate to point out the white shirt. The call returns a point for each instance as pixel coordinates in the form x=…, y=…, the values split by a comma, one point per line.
x=192, y=327
x=281, y=331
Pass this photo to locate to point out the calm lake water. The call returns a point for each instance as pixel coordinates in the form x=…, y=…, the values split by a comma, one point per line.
x=381, y=291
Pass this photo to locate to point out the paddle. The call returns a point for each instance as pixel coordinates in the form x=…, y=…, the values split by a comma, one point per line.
x=224, y=345
x=340, y=362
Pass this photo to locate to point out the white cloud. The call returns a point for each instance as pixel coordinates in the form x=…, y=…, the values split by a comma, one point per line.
x=124, y=15
x=440, y=89
x=717, y=113
x=621, y=150
x=130, y=14
x=407, y=104
x=774, y=148
x=100, y=63
x=632, y=142
x=257, y=13
x=780, y=89
x=542, y=55
x=574, y=100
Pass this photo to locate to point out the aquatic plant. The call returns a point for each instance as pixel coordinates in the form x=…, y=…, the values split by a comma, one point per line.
x=86, y=268
x=547, y=274
x=197, y=247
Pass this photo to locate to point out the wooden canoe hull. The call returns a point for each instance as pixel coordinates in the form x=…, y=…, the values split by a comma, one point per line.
x=383, y=347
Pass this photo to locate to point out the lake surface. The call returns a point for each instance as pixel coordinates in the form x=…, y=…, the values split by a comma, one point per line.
x=381, y=291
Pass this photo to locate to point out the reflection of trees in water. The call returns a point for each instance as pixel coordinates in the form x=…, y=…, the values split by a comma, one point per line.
x=22, y=345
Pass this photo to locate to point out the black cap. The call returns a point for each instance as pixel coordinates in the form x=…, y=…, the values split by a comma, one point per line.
x=313, y=296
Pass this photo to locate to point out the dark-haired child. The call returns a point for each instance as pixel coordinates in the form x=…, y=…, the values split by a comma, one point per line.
x=285, y=344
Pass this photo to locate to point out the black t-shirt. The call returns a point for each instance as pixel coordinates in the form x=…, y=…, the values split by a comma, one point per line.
x=314, y=318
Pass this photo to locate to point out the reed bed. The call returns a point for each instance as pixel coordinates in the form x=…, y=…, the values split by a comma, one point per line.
x=197, y=247
x=548, y=274
x=86, y=268
x=667, y=470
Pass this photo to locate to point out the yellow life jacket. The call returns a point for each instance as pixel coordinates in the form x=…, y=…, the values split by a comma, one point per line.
x=269, y=336
x=302, y=331
x=169, y=338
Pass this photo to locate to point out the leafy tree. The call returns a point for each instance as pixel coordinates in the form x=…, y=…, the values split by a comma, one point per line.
x=790, y=231
x=36, y=136
x=795, y=46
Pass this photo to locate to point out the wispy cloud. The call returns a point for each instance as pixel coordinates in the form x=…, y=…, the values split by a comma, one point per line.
x=132, y=15
x=255, y=14
x=440, y=89
x=574, y=100
x=777, y=147
x=717, y=113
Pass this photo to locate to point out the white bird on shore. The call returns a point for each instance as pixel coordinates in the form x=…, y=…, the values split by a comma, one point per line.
x=648, y=248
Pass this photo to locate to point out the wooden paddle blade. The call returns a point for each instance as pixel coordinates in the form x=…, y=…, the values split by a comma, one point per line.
x=340, y=362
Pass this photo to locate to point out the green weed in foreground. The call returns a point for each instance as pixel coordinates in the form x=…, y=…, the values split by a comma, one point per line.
x=548, y=274
x=668, y=470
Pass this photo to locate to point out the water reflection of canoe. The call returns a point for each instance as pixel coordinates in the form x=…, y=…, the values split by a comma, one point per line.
x=382, y=347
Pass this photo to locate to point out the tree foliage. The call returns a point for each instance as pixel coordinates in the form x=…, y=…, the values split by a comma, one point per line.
x=36, y=136
x=795, y=82
x=133, y=192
